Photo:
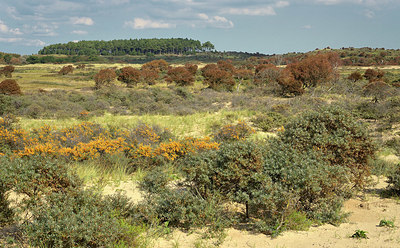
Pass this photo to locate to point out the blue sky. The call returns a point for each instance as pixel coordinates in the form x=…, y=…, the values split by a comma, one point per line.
x=265, y=26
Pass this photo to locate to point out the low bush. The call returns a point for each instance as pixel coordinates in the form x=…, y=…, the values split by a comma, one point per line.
x=336, y=134
x=66, y=70
x=394, y=179
x=104, y=78
x=10, y=87
x=80, y=218
x=268, y=121
x=233, y=132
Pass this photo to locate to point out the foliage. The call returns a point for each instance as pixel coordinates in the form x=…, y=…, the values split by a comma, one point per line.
x=149, y=76
x=394, y=179
x=314, y=69
x=360, y=234
x=131, y=46
x=337, y=135
x=104, y=77
x=181, y=76
x=378, y=90
x=79, y=218
x=373, y=75
x=10, y=87
x=289, y=86
x=387, y=223
x=268, y=121
x=355, y=76
x=266, y=74
x=234, y=132
x=158, y=65
x=129, y=75
x=217, y=78
x=66, y=70
x=7, y=71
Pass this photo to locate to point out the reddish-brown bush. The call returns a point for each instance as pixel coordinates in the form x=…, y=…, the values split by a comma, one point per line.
x=355, y=76
x=156, y=65
x=149, y=76
x=66, y=70
x=181, y=76
x=216, y=78
x=266, y=73
x=289, y=86
x=192, y=68
x=226, y=65
x=129, y=75
x=373, y=75
x=104, y=77
x=10, y=87
x=7, y=71
x=81, y=66
x=314, y=70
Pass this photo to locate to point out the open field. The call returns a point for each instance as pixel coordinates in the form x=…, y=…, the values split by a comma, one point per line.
x=246, y=164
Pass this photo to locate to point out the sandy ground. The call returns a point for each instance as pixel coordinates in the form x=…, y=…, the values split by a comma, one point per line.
x=365, y=214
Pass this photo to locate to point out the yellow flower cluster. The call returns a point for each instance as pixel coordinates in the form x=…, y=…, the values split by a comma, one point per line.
x=89, y=141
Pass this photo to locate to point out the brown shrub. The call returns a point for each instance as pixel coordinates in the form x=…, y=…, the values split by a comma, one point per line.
x=373, y=75
x=192, y=68
x=216, y=78
x=129, y=75
x=156, y=65
x=149, y=76
x=10, y=87
x=181, y=76
x=289, y=86
x=7, y=71
x=104, y=77
x=266, y=73
x=355, y=76
x=66, y=70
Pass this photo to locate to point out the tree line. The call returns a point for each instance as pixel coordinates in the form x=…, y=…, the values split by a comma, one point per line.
x=129, y=47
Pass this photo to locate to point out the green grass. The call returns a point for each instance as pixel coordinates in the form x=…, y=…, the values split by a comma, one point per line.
x=195, y=125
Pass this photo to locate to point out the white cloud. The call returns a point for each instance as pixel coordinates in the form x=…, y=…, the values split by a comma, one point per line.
x=282, y=4
x=268, y=10
x=307, y=26
x=369, y=13
x=41, y=29
x=23, y=42
x=203, y=16
x=6, y=30
x=82, y=21
x=80, y=32
x=140, y=23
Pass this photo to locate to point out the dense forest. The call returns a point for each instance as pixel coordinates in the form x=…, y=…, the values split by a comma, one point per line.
x=129, y=47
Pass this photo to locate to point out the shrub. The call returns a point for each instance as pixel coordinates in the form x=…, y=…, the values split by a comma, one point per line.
x=66, y=70
x=7, y=71
x=104, y=77
x=394, y=179
x=217, y=78
x=373, y=75
x=181, y=76
x=129, y=75
x=378, y=90
x=266, y=73
x=289, y=86
x=267, y=122
x=234, y=132
x=337, y=135
x=313, y=70
x=79, y=218
x=157, y=66
x=192, y=68
x=10, y=87
x=355, y=76
x=149, y=76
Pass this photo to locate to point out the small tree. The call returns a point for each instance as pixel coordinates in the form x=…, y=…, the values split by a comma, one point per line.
x=266, y=73
x=181, y=76
x=10, y=87
x=129, y=75
x=104, y=77
x=216, y=78
x=289, y=86
x=66, y=70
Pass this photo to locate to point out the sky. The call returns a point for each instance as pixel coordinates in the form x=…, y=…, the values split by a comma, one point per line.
x=264, y=26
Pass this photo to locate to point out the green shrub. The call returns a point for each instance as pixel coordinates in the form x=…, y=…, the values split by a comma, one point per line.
x=79, y=218
x=234, y=132
x=270, y=120
x=155, y=180
x=394, y=179
x=335, y=133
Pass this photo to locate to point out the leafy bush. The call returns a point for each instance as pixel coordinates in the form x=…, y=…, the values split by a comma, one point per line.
x=266, y=122
x=79, y=218
x=129, y=75
x=216, y=78
x=394, y=179
x=181, y=76
x=104, y=77
x=335, y=133
x=234, y=132
x=66, y=70
x=355, y=76
x=10, y=87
